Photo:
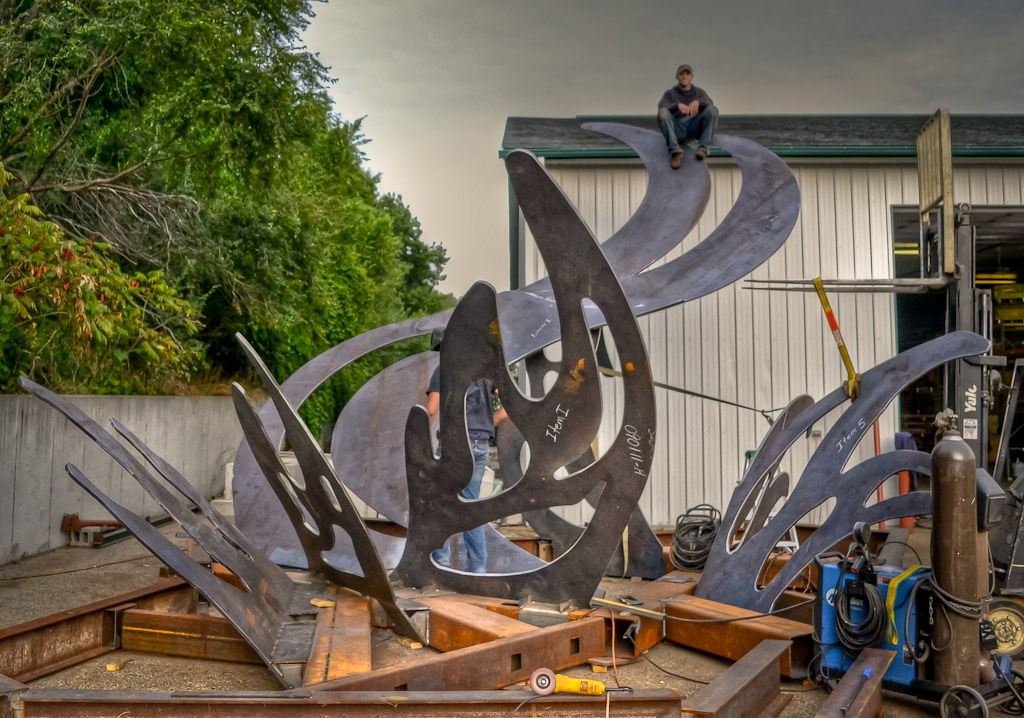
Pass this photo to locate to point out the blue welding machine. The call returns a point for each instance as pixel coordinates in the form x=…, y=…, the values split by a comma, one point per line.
x=835, y=658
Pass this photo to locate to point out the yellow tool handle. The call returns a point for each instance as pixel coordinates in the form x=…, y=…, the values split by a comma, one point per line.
x=544, y=682
x=578, y=686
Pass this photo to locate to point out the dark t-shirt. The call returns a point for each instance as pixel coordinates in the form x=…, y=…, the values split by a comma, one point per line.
x=674, y=95
x=479, y=417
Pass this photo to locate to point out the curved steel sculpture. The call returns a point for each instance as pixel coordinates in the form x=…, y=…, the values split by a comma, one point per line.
x=559, y=426
x=733, y=568
x=384, y=454
x=318, y=504
x=756, y=227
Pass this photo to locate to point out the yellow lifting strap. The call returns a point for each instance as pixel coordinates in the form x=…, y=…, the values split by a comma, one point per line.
x=891, y=634
x=852, y=385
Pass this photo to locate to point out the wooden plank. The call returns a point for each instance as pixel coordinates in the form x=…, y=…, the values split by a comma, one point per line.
x=496, y=664
x=224, y=574
x=749, y=687
x=856, y=697
x=498, y=605
x=456, y=624
x=735, y=639
x=184, y=634
x=341, y=640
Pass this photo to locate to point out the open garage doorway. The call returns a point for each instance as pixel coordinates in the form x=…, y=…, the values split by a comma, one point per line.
x=999, y=261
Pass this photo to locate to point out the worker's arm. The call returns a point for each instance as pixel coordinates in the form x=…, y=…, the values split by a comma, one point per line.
x=500, y=415
x=433, y=404
x=667, y=101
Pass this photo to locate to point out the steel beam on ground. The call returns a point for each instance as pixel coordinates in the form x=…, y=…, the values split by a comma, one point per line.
x=341, y=641
x=184, y=634
x=722, y=635
x=40, y=647
x=498, y=605
x=749, y=687
x=856, y=696
x=477, y=704
x=496, y=664
x=456, y=624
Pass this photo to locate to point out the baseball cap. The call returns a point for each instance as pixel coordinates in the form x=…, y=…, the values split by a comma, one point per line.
x=684, y=67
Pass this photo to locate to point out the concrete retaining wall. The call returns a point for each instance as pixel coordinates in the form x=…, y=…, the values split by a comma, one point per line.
x=197, y=435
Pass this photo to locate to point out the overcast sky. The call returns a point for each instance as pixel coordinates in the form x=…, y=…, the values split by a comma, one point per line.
x=435, y=80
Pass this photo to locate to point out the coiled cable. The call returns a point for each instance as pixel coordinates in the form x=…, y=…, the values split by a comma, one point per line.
x=854, y=636
x=694, y=535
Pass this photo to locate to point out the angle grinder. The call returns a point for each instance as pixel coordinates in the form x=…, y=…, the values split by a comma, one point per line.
x=545, y=681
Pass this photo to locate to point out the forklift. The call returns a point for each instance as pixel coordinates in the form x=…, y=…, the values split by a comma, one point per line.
x=953, y=643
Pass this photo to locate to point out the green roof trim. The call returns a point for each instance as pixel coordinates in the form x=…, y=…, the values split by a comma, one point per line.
x=626, y=153
x=810, y=136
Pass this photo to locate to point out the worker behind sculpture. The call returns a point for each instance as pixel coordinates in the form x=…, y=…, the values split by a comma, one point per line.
x=686, y=112
x=480, y=423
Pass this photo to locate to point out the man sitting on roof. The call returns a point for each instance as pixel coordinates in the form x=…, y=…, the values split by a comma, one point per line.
x=686, y=112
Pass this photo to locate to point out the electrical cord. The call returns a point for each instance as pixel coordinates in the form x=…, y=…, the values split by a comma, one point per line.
x=647, y=658
x=523, y=703
x=691, y=679
x=694, y=535
x=855, y=636
x=773, y=612
x=75, y=570
x=904, y=543
x=868, y=633
x=949, y=604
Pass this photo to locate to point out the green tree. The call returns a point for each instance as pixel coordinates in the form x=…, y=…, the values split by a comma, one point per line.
x=196, y=139
x=424, y=264
x=71, y=319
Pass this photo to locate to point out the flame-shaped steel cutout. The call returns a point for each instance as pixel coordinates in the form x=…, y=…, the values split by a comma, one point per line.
x=731, y=572
x=259, y=614
x=558, y=426
x=312, y=502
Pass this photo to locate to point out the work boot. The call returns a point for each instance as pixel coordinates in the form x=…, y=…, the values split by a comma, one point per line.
x=702, y=152
x=677, y=160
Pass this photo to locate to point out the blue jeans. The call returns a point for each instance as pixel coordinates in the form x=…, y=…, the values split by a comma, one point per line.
x=475, y=539
x=681, y=129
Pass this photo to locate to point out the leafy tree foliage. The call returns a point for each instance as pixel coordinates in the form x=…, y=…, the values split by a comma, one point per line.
x=196, y=139
x=69, y=317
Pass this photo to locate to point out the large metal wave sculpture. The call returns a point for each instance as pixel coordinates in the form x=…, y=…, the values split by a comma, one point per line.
x=754, y=229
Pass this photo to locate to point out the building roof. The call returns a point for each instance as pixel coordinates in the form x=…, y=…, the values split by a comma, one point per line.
x=786, y=135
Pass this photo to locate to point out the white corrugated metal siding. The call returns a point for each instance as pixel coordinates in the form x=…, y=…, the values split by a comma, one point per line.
x=761, y=348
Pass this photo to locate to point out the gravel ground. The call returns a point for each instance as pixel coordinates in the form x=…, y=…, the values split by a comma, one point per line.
x=26, y=593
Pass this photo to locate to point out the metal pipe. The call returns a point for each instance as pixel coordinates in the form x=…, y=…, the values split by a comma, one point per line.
x=868, y=289
x=931, y=283
x=954, y=547
x=907, y=522
x=879, y=493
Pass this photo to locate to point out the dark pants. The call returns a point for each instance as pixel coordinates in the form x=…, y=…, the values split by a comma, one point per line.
x=680, y=129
